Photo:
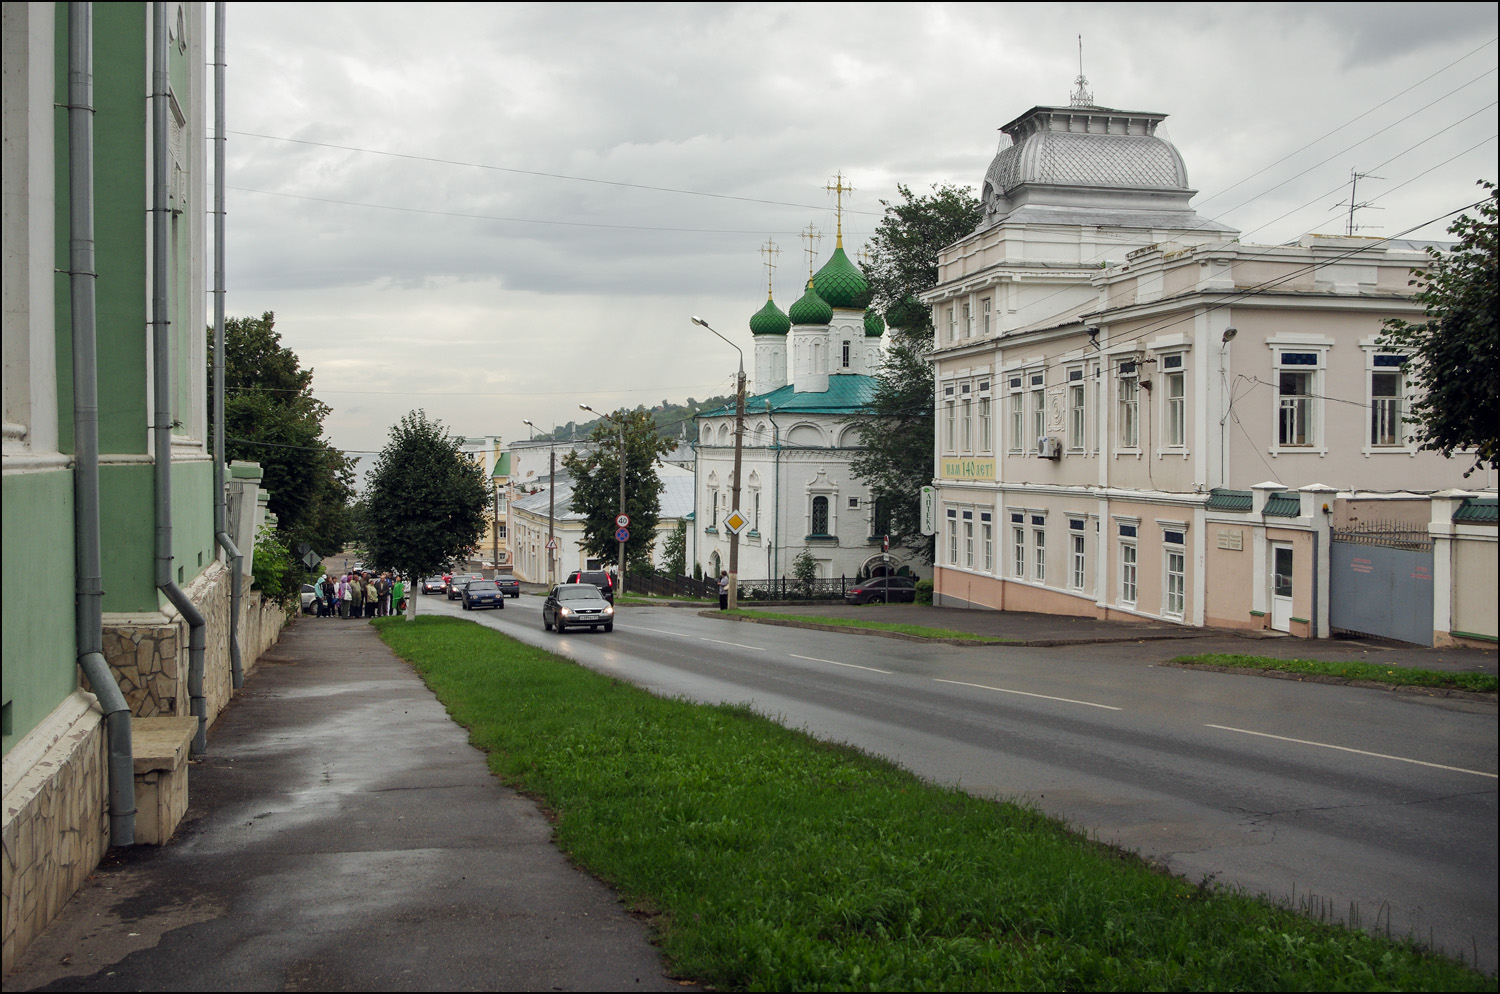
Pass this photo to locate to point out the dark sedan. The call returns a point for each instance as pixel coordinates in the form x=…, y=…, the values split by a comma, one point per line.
x=883, y=589
x=482, y=593
x=433, y=585
x=508, y=584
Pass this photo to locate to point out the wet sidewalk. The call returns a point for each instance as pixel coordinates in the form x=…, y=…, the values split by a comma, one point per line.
x=343, y=835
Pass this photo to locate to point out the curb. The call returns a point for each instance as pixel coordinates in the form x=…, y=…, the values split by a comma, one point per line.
x=1010, y=643
x=1341, y=681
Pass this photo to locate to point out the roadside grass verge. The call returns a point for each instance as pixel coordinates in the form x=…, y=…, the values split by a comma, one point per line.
x=880, y=626
x=773, y=861
x=1403, y=676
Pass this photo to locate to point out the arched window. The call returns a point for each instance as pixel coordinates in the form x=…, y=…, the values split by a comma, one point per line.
x=846, y=354
x=820, y=516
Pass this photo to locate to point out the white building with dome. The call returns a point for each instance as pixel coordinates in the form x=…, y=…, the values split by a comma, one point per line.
x=1140, y=417
x=813, y=371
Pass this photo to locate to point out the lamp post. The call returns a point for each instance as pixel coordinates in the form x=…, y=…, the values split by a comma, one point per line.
x=620, y=568
x=739, y=440
x=551, y=498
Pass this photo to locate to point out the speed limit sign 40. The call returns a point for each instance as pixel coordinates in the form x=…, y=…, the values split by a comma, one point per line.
x=623, y=520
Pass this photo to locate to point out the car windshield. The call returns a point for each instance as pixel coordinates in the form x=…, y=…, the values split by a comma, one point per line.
x=478, y=586
x=579, y=593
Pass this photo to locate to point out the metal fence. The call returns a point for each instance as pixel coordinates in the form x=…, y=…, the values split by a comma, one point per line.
x=1389, y=534
x=786, y=589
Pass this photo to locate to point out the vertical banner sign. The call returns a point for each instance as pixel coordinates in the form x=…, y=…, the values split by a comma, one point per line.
x=929, y=511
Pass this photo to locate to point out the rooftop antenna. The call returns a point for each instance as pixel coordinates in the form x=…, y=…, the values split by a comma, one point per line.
x=770, y=251
x=1354, y=204
x=811, y=236
x=1081, y=96
x=839, y=189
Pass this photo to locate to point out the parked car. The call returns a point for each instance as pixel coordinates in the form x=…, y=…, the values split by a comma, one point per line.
x=434, y=585
x=882, y=589
x=309, y=599
x=598, y=578
x=570, y=605
x=459, y=582
x=482, y=593
x=508, y=584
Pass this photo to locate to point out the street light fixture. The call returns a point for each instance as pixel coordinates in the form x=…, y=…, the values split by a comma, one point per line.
x=739, y=440
x=620, y=568
x=551, y=501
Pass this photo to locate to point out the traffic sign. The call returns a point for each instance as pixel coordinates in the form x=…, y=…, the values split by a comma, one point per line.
x=551, y=545
x=623, y=520
x=735, y=522
x=622, y=534
x=311, y=559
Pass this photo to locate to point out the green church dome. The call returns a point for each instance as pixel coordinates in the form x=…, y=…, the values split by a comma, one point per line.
x=770, y=320
x=841, y=283
x=810, y=308
x=874, y=324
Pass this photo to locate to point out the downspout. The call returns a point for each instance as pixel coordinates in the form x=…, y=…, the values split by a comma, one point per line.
x=221, y=498
x=775, y=498
x=89, y=604
x=161, y=365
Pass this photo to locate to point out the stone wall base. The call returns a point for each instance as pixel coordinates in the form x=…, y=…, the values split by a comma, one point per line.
x=56, y=818
x=161, y=749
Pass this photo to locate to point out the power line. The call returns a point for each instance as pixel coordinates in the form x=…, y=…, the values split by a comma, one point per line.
x=533, y=172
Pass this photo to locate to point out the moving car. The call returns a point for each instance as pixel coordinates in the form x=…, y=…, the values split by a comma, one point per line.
x=508, y=584
x=459, y=582
x=598, y=578
x=433, y=585
x=881, y=589
x=482, y=593
x=571, y=605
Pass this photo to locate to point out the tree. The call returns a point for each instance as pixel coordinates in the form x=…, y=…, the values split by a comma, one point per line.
x=674, y=550
x=805, y=571
x=897, y=430
x=426, y=502
x=596, y=486
x=1456, y=351
x=271, y=417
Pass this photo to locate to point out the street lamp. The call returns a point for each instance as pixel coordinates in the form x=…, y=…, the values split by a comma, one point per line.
x=739, y=439
x=551, y=499
x=620, y=569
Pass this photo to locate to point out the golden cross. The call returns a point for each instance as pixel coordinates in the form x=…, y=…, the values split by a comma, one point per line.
x=770, y=251
x=838, y=190
x=811, y=236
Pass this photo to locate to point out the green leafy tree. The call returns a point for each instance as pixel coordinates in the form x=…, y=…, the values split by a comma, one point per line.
x=596, y=486
x=426, y=501
x=1455, y=353
x=897, y=432
x=805, y=571
x=271, y=417
x=674, y=549
x=276, y=573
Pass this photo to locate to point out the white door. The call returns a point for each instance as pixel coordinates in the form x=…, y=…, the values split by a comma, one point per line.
x=1281, y=587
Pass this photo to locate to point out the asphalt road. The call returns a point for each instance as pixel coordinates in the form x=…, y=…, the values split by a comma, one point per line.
x=1355, y=804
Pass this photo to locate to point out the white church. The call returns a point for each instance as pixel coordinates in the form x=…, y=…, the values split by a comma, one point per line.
x=814, y=370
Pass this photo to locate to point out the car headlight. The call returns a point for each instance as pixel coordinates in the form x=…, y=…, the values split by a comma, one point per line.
x=610, y=609
x=565, y=611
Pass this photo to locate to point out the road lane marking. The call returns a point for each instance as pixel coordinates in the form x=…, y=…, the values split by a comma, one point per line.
x=1022, y=693
x=835, y=662
x=663, y=631
x=737, y=645
x=1360, y=752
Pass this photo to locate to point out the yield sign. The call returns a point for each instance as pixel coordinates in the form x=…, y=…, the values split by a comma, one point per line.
x=736, y=522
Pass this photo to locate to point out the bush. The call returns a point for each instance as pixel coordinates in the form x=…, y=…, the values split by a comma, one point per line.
x=924, y=591
x=276, y=573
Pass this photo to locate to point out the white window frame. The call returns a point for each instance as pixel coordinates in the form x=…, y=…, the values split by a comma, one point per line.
x=1129, y=572
x=1406, y=438
x=968, y=320
x=1174, y=581
x=1078, y=409
x=985, y=311
x=1018, y=550
x=1316, y=409
x=1080, y=558
x=952, y=536
x=1039, y=553
x=1128, y=405
x=968, y=521
x=1174, y=410
x=1016, y=385
x=952, y=323
x=1038, y=405
x=987, y=541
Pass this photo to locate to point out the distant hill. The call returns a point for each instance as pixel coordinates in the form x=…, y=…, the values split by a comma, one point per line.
x=672, y=420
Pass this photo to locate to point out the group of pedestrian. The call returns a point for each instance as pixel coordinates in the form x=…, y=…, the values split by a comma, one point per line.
x=359, y=594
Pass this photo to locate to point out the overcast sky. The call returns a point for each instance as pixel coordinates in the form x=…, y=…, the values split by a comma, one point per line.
x=526, y=203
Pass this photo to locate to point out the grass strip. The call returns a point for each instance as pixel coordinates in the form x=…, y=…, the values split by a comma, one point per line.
x=921, y=631
x=1403, y=676
x=773, y=861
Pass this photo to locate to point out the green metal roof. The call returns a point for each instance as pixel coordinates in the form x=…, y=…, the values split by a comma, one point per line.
x=1283, y=505
x=874, y=324
x=841, y=283
x=810, y=308
x=1220, y=499
x=1477, y=511
x=770, y=320
x=846, y=394
x=502, y=465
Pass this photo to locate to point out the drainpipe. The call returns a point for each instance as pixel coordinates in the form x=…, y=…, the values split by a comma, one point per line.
x=775, y=497
x=89, y=604
x=161, y=365
x=221, y=498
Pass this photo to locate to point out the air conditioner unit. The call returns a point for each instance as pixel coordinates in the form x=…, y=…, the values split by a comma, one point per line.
x=1049, y=448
